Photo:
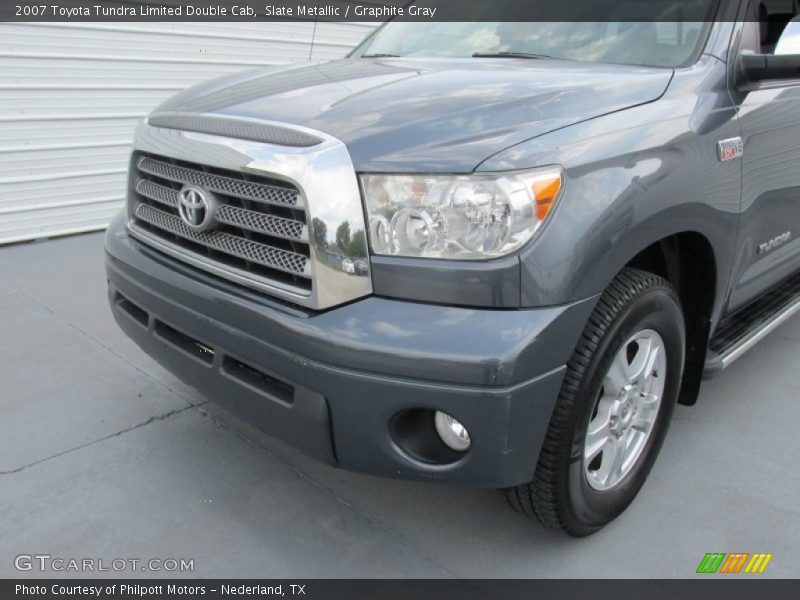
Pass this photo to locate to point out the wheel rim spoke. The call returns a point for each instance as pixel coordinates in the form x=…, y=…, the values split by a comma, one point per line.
x=616, y=378
x=620, y=452
x=594, y=445
x=603, y=473
x=598, y=431
x=637, y=368
x=611, y=463
x=652, y=359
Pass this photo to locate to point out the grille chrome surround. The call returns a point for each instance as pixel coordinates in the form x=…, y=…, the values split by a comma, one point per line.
x=276, y=216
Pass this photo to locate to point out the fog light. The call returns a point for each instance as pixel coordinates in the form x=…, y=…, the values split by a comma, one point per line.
x=452, y=432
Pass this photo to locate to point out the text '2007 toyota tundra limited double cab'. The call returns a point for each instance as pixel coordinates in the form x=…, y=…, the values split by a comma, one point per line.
x=494, y=254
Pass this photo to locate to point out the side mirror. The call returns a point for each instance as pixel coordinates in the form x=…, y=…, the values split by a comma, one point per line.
x=766, y=67
x=783, y=64
x=789, y=43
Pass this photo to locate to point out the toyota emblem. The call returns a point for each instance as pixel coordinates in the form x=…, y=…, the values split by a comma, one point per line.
x=196, y=207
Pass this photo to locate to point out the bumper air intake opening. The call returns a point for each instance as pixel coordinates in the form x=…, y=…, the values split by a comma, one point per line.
x=257, y=379
x=414, y=431
x=134, y=312
x=194, y=348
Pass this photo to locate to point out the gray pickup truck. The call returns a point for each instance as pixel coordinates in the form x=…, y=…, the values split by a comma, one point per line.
x=493, y=254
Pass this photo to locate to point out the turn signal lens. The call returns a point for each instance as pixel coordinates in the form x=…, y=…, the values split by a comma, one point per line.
x=545, y=192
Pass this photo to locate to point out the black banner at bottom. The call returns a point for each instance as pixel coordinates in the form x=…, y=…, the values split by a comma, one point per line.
x=388, y=589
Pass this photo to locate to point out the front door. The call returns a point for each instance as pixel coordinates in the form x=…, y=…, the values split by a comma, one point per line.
x=769, y=235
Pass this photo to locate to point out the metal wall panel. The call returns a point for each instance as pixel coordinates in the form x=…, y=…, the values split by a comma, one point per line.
x=72, y=93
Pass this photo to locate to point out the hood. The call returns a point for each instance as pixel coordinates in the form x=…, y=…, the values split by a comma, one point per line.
x=427, y=115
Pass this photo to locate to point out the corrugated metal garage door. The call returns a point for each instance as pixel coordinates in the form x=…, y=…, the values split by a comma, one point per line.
x=71, y=94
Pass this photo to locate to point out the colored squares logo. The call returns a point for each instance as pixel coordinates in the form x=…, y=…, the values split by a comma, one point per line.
x=733, y=563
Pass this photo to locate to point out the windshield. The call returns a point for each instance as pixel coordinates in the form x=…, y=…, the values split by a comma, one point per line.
x=625, y=41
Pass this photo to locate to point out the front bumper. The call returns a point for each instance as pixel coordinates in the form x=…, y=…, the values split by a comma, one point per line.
x=330, y=383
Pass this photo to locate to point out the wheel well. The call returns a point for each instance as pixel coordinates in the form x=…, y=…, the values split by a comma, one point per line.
x=687, y=261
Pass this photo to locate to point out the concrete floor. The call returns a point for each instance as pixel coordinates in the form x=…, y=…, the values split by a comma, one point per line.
x=105, y=455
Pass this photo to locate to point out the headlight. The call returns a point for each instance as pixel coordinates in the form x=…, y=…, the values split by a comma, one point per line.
x=464, y=217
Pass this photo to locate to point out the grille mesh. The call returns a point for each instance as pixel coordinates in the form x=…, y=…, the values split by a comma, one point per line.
x=231, y=186
x=255, y=221
x=156, y=192
x=231, y=215
x=258, y=235
x=256, y=252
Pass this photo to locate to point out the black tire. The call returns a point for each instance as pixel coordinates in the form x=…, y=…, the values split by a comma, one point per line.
x=560, y=496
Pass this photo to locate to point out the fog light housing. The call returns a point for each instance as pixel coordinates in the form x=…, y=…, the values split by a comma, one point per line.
x=452, y=432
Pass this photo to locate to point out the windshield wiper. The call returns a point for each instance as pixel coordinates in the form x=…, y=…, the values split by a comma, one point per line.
x=512, y=55
x=379, y=55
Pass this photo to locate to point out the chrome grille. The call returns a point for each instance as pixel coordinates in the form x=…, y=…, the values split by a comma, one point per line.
x=156, y=192
x=221, y=184
x=231, y=215
x=254, y=221
x=224, y=242
x=259, y=232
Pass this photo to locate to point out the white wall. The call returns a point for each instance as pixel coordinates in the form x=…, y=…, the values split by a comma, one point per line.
x=71, y=94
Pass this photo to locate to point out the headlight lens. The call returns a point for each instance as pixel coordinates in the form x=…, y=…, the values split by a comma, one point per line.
x=464, y=217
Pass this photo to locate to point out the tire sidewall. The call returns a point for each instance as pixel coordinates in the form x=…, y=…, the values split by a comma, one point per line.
x=656, y=309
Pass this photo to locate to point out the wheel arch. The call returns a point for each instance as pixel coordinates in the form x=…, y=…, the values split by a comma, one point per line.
x=687, y=260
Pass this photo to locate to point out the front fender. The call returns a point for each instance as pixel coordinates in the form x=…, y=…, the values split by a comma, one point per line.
x=633, y=178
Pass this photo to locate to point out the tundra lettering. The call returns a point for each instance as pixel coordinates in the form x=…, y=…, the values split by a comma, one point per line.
x=774, y=242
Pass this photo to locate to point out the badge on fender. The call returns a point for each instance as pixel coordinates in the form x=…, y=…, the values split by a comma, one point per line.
x=730, y=148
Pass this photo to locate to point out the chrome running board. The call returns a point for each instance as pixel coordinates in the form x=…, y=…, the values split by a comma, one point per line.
x=747, y=327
